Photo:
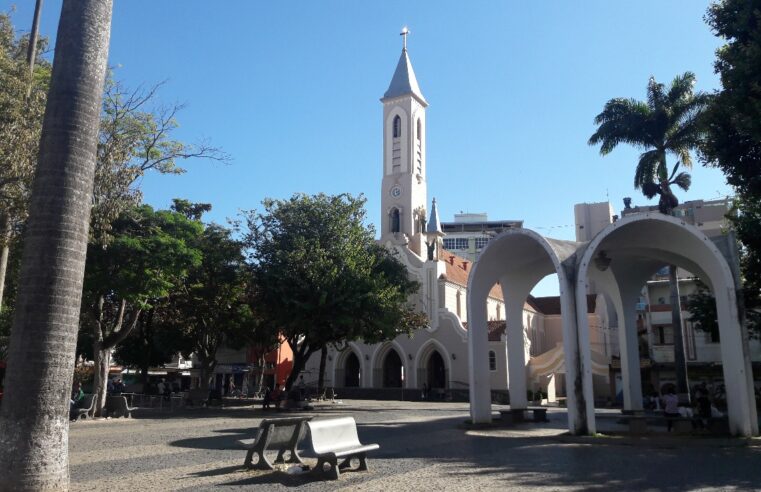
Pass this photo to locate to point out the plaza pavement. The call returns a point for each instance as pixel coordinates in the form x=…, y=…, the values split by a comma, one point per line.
x=423, y=446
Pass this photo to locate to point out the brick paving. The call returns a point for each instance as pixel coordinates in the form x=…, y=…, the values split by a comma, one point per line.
x=424, y=446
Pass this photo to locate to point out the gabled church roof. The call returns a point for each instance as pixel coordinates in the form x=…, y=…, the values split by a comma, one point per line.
x=404, y=81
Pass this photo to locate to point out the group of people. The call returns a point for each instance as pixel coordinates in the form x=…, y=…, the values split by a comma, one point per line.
x=701, y=412
x=115, y=386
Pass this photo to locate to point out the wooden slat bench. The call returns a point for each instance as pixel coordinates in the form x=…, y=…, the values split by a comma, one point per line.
x=332, y=439
x=282, y=435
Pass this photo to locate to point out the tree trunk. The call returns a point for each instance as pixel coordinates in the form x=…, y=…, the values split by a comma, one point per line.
x=321, y=375
x=5, y=239
x=680, y=362
x=300, y=358
x=101, y=367
x=34, y=415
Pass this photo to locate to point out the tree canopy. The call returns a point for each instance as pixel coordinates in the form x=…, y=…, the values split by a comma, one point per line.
x=733, y=133
x=320, y=277
x=668, y=122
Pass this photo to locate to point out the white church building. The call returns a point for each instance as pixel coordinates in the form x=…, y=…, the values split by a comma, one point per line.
x=433, y=362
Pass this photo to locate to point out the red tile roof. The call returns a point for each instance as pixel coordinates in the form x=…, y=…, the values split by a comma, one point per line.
x=496, y=329
x=458, y=270
x=551, y=304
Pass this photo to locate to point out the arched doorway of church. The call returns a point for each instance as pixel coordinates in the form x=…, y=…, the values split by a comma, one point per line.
x=352, y=371
x=436, y=371
x=392, y=370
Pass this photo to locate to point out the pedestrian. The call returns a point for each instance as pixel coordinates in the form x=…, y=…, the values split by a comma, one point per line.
x=670, y=408
x=267, y=398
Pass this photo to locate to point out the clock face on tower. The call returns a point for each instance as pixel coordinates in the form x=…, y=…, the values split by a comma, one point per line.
x=395, y=191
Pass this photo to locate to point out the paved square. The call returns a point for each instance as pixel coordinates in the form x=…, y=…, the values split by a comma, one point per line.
x=424, y=446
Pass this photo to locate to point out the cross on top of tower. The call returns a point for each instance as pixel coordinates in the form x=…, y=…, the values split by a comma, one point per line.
x=404, y=34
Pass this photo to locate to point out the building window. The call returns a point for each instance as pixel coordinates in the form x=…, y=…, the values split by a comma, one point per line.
x=419, y=129
x=461, y=243
x=448, y=243
x=492, y=360
x=664, y=335
x=395, y=220
x=397, y=126
x=481, y=242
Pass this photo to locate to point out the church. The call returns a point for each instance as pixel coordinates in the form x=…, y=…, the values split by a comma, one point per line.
x=433, y=362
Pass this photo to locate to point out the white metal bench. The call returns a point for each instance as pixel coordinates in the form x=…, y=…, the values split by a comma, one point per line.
x=118, y=407
x=275, y=434
x=86, y=410
x=337, y=438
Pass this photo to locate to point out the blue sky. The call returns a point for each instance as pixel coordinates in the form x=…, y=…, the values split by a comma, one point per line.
x=290, y=90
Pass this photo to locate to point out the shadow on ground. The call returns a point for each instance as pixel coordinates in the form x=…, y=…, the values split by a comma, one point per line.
x=521, y=460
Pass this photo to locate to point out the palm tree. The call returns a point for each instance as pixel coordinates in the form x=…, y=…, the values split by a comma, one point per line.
x=667, y=123
x=34, y=414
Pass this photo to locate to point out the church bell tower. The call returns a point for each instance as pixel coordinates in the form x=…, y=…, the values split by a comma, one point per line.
x=403, y=189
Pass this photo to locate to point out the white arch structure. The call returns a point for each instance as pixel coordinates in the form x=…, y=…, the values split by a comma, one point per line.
x=619, y=260
x=518, y=259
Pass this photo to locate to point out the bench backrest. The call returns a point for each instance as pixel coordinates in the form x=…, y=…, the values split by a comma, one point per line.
x=87, y=402
x=279, y=432
x=330, y=434
x=117, y=402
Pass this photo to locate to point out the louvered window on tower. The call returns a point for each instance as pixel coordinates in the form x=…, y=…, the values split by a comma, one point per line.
x=397, y=126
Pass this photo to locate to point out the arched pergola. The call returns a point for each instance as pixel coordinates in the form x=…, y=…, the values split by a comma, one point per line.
x=518, y=259
x=621, y=258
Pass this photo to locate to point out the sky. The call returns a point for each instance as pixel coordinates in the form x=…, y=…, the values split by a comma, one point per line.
x=290, y=90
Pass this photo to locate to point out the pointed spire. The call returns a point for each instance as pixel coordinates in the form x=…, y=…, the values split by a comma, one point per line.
x=404, y=81
x=434, y=225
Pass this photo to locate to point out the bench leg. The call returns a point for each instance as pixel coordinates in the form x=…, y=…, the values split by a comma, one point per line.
x=333, y=473
x=262, y=463
x=362, y=462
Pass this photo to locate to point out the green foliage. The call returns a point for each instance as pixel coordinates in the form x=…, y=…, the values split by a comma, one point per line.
x=733, y=136
x=212, y=306
x=669, y=122
x=135, y=137
x=321, y=279
x=22, y=105
x=148, y=257
x=702, y=308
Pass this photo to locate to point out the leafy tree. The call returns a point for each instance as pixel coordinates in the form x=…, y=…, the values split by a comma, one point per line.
x=669, y=122
x=321, y=279
x=22, y=104
x=148, y=256
x=136, y=137
x=210, y=306
x=733, y=136
x=702, y=308
x=154, y=341
x=34, y=423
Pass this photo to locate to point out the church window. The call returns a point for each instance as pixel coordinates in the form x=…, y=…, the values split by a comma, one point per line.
x=419, y=130
x=397, y=126
x=459, y=304
x=499, y=311
x=395, y=220
x=492, y=360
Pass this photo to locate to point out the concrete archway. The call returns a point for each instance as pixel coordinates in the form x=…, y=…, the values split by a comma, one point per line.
x=634, y=247
x=518, y=259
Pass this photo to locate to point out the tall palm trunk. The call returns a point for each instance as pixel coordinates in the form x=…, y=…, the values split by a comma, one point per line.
x=34, y=414
x=680, y=362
